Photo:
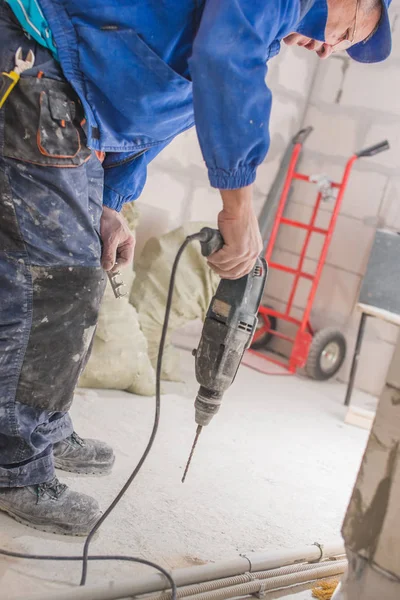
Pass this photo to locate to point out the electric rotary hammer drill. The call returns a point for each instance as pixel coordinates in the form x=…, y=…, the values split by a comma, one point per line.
x=227, y=333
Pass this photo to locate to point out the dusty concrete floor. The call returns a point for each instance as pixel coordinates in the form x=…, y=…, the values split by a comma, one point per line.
x=274, y=470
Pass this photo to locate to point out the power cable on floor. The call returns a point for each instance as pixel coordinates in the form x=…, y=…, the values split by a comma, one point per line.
x=156, y=413
x=78, y=557
x=85, y=557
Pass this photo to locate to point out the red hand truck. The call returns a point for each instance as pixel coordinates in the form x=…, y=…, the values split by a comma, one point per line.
x=322, y=353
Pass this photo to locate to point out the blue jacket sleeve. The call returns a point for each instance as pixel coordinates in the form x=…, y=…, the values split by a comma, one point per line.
x=125, y=175
x=232, y=103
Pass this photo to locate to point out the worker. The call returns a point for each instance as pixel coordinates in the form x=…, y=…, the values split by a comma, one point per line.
x=111, y=85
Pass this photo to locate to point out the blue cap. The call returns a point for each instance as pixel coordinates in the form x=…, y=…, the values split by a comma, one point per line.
x=377, y=47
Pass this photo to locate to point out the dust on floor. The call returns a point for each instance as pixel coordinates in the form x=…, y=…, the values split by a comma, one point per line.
x=274, y=470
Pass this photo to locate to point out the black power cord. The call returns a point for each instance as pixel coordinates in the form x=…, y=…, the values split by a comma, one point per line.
x=156, y=416
x=94, y=557
x=85, y=557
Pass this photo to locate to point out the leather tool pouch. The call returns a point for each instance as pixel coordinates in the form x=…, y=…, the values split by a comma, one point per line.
x=43, y=124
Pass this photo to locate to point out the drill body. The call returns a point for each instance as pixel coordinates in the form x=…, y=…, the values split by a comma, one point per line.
x=227, y=333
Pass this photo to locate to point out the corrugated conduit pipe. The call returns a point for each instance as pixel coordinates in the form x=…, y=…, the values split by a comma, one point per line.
x=219, y=572
x=202, y=591
x=259, y=586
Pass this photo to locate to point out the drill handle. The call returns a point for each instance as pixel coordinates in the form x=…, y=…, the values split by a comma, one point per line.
x=211, y=241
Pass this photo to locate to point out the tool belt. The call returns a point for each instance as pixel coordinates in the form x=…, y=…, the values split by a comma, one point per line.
x=43, y=124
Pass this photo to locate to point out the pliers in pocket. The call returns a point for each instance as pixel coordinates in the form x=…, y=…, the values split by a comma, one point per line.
x=8, y=81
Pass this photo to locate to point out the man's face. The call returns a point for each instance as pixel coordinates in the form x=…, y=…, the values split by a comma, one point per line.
x=346, y=21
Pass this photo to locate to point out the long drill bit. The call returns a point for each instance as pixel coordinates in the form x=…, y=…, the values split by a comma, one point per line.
x=198, y=432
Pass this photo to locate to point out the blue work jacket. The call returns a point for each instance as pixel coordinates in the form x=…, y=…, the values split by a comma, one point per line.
x=146, y=70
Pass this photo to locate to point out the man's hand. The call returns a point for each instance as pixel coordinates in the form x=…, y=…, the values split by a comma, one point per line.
x=238, y=225
x=118, y=241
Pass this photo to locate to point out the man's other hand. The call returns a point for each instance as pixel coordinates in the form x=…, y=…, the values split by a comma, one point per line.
x=238, y=225
x=118, y=241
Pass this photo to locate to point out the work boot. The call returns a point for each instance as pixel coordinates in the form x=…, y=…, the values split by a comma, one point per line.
x=76, y=455
x=51, y=507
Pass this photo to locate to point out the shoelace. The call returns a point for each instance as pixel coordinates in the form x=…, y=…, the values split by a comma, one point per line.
x=76, y=439
x=53, y=488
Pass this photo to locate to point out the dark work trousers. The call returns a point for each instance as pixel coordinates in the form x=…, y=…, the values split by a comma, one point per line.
x=51, y=281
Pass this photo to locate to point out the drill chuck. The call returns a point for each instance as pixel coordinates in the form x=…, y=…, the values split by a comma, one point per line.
x=206, y=405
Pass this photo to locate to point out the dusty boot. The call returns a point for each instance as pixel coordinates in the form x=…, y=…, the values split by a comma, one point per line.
x=51, y=507
x=76, y=455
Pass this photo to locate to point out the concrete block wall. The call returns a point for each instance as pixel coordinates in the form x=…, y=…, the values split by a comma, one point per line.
x=351, y=106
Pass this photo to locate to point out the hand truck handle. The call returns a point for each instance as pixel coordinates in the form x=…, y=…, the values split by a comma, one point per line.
x=302, y=135
x=372, y=150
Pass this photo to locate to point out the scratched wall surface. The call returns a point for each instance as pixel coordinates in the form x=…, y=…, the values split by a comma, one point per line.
x=351, y=106
x=370, y=527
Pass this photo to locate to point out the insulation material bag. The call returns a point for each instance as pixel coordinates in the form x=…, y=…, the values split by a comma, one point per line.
x=119, y=358
x=195, y=286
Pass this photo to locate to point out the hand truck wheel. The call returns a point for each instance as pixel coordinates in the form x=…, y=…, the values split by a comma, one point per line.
x=326, y=355
x=264, y=340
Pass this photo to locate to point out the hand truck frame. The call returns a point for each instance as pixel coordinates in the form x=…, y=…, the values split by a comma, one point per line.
x=302, y=342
